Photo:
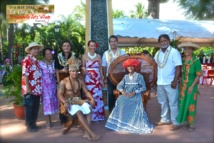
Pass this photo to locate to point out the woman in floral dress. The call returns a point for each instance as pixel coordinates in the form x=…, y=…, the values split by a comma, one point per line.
x=128, y=114
x=191, y=72
x=92, y=70
x=49, y=90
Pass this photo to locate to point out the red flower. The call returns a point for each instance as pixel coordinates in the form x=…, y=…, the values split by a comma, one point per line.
x=97, y=45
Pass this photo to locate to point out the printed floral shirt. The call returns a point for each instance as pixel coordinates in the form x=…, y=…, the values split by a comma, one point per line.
x=30, y=68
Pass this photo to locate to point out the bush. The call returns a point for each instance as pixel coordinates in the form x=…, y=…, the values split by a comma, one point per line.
x=13, y=88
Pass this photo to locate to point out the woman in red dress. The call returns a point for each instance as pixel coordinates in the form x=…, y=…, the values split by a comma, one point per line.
x=92, y=70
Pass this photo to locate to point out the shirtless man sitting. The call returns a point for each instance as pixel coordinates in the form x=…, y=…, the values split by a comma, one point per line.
x=70, y=87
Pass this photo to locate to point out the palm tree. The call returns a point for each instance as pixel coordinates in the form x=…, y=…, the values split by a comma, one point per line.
x=198, y=9
x=11, y=25
x=74, y=31
x=153, y=8
x=118, y=14
x=140, y=12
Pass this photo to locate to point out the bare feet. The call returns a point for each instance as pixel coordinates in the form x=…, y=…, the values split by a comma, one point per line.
x=87, y=136
x=95, y=137
x=49, y=125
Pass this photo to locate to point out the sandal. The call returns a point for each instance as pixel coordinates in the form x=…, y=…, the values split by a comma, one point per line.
x=185, y=127
x=190, y=129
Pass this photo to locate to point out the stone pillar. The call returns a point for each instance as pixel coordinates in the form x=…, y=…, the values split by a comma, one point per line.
x=99, y=26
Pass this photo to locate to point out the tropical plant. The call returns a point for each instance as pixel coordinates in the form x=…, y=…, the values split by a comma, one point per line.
x=72, y=30
x=118, y=14
x=3, y=31
x=197, y=9
x=79, y=12
x=134, y=50
x=139, y=13
x=13, y=89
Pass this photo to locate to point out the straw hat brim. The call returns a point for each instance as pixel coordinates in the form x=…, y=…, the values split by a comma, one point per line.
x=189, y=44
x=27, y=49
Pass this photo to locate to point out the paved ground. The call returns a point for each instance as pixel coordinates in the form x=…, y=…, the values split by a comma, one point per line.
x=12, y=130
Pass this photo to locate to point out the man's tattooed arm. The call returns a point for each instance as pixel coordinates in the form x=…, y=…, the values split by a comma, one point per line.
x=61, y=91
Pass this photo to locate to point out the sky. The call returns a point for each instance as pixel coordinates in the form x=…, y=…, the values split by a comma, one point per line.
x=168, y=10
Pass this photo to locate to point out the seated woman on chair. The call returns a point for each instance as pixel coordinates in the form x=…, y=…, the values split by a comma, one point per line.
x=128, y=114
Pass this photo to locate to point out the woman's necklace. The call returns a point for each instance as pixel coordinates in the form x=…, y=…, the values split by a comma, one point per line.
x=49, y=69
x=92, y=57
x=73, y=86
x=166, y=56
x=112, y=56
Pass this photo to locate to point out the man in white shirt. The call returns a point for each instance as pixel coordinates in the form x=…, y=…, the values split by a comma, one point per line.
x=107, y=58
x=169, y=63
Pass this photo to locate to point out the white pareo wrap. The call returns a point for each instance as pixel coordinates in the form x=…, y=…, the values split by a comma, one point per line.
x=85, y=108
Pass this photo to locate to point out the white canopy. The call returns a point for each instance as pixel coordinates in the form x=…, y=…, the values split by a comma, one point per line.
x=145, y=32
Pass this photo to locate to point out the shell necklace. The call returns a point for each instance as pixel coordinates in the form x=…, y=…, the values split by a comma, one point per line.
x=92, y=57
x=49, y=69
x=166, y=56
x=112, y=56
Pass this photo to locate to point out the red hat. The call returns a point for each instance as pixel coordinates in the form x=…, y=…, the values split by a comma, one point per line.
x=131, y=62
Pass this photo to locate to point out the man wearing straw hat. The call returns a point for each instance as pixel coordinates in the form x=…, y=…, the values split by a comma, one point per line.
x=31, y=85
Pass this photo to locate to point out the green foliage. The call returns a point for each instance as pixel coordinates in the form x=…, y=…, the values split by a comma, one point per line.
x=79, y=12
x=207, y=51
x=163, y=1
x=139, y=12
x=72, y=30
x=118, y=14
x=13, y=90
x=197, y=9
x=132, y=50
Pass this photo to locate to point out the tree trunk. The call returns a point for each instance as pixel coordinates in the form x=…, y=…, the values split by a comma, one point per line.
x=11, y=41
x=153, y=8
x=1, y=47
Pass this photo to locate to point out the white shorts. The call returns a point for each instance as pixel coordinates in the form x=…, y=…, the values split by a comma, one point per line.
x=85, y=108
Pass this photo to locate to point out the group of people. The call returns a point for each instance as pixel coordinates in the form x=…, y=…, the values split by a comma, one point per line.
x=83, y=79
x=38, y=80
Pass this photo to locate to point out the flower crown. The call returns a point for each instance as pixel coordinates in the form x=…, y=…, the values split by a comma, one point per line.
x=130, y=62
x=73, y=64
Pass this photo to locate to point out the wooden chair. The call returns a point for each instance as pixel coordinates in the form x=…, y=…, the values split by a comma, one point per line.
x=147, y=68
x=71, y=120
x=210, y=75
